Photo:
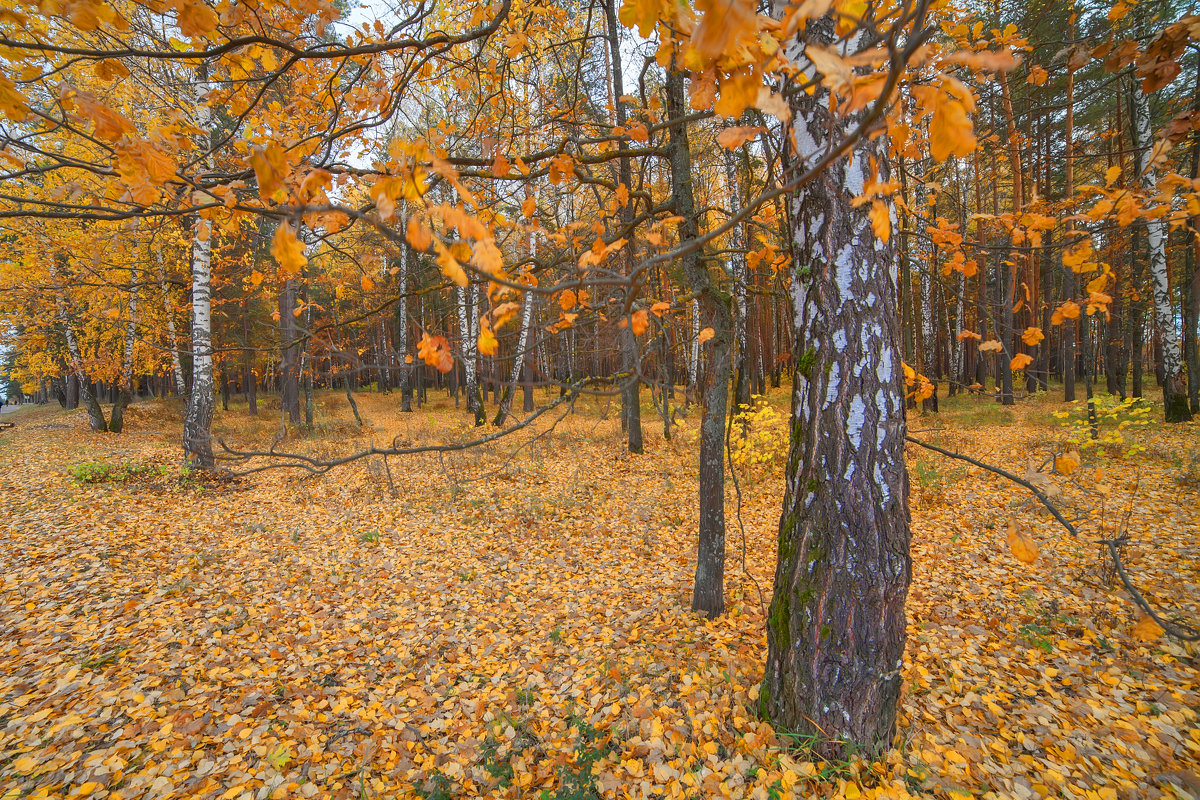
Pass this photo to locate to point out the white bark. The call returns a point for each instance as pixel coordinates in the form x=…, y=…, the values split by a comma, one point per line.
x=694, y=363
x=737, y=264
x=469, y=343
x=526, y=322
x=176, y=367
x=1164, y=317
x=197, y=425
x=130, y=331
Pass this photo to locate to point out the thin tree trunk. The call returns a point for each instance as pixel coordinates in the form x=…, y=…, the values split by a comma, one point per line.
x=466, y=311
x=708, y=590
x=1175, y=399
x=116, y=420
x=197, y=425
x=173, y=338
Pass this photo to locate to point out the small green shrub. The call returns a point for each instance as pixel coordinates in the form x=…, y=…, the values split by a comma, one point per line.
x=100, y=472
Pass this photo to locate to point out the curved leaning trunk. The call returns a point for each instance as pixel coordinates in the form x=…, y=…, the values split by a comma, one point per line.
x=836, y=627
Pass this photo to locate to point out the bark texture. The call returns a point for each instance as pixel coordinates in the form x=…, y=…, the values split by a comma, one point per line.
x=836, y=627
x=708, y=588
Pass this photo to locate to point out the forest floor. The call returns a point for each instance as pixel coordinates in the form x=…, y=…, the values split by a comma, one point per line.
x=515, y=622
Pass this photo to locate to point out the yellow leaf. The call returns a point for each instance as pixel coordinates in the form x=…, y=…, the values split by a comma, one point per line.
x=1146, y=629
x=270, y=167
x=950, y=131
x=723, y=23
x=707, y=334
x=622, y=195
x=640, y=320
x=196, y=19
x=1024, y=548
x=488, y=345
x=1067, y=462
x=418, y=235
x=881, y=220
x=1032, y=336
x=366, y=283
x=288, y=251
x=12, y=102
x=733, y=138
x=1037, y=76
x=23, y=765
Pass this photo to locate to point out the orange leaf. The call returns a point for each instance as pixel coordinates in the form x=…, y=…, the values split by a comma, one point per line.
x=733, y=138
x=707, y=334
x=640, y=320
x=288, y=251
x=1147, y=630
x=1024, y=548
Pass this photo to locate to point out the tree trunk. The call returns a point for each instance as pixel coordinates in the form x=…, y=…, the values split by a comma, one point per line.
x=737, y=272
x=466, y=311
x=521, y=356
x=95, y=414
x=289, y=367
x=172, y=336
x=631, y=402
x=403, y=356
x=708, y=591
x=197, y=425
x=1175, y=399
x=836, y=627
x=116, y=420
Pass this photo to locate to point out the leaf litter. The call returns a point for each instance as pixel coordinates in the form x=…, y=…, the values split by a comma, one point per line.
x=520, y=627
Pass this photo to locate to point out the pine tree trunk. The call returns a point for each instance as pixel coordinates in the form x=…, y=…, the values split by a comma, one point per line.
x=836, y=628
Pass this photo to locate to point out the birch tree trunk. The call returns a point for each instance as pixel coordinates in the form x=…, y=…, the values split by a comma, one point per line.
x=1175, y=400
x=737, y=271
x=520, y=357
x=197, y=424
x=466, y=311
x=406, y=389
x=173, y=337
x=836, y=627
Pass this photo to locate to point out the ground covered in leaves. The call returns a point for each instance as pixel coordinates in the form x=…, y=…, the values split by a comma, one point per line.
x=514, y=622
